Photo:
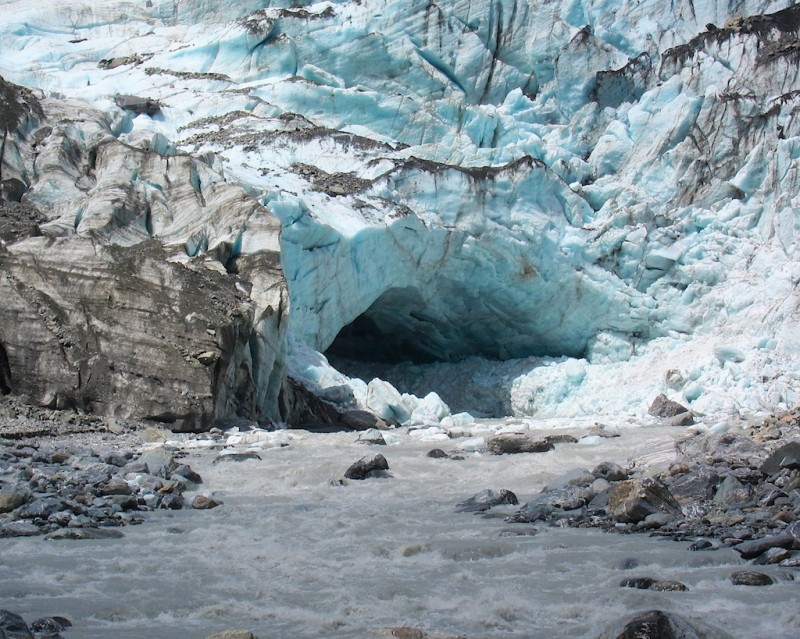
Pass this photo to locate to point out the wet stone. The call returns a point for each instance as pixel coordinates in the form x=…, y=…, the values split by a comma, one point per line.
x=485, y=500
x=654, y=624
x=702, y=544
x=46, y=627
x=11, y=499
x=751, y=578
x=12, y=626
x=19, y=529
x=773, y=556
x=372, y=436
x=642, y=583
x=173, y=501
x=610, y=472
x=369, y=466
x=79, y=534
x=633, y=500
x=201, y=502
x=236, y=457
x=754, y=548
x=186, y=472
x=668, y=586
x=437, y=453
x=516, y=443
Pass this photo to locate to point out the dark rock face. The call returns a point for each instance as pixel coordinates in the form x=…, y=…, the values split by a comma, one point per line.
x=633, y=500
x=119, y=299
x=123, y=332
x=369, y=466
x=515, y=443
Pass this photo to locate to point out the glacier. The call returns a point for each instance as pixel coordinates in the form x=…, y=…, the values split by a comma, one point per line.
x=533, y=209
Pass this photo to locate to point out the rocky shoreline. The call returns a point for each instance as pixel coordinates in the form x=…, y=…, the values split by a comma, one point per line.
x=65, y=476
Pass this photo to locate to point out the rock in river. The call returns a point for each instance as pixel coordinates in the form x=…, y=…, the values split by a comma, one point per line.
x=514, y=443
x=657, y=624
x=369, y=466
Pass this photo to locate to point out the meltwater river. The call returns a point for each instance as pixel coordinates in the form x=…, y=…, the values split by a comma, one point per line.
x=289, y=555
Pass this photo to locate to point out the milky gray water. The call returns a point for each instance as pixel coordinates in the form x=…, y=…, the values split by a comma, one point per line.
x=289, y=555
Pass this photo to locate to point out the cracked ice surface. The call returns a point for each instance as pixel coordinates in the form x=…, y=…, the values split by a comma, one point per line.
x=603, y=194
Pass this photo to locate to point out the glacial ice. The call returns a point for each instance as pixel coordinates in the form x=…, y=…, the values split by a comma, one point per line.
x=551, y=209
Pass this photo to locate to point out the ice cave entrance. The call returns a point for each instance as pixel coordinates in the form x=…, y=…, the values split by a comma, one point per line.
x=394, y=330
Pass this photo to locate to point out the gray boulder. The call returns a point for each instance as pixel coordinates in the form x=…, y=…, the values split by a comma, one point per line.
x=369, y=466
x=13, y=626
x=485, y=500
x=136, y=104
x=662, y=406
x=515, y=443
x=658, y=624
x=631, y=501
x=787, y=456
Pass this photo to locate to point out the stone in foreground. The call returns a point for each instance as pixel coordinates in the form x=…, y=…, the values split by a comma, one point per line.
x=658, y=624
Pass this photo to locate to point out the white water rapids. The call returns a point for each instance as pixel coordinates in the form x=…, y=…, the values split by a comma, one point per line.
x=289, y=555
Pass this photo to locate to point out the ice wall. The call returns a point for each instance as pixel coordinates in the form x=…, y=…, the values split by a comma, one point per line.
x=609, y=186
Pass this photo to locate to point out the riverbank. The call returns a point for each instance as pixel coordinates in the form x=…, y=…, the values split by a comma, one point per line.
x=393, y=551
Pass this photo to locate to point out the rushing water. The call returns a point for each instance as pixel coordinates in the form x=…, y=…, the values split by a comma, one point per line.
x=290, y=555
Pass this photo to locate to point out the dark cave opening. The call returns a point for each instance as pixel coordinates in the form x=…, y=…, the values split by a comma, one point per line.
x=399, y=327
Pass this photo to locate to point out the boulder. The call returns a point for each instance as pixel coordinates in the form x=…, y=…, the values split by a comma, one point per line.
x=755, y=547
x=662, y=406
x=732, y=492
x=610, y=471
x=201, y=502
x=49, y=627
x=658, y=624
x=698, y=484
x=12, y=626
x=84, y=533
x=514, y=443
x=136, y=104
x=787, y=456
x=372, y=436
x=19, y=529
x=485, y=500
x=750, y=578
x=11, y=498
x=631, y=501
x=369, y=466
x=576, y=477
x=236, y=457
x=233, y=634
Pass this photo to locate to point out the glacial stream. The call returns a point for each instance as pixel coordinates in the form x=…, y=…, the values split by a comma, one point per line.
x=291, y=555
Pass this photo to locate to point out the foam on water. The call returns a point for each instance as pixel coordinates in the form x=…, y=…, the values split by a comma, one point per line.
x=290, y=555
